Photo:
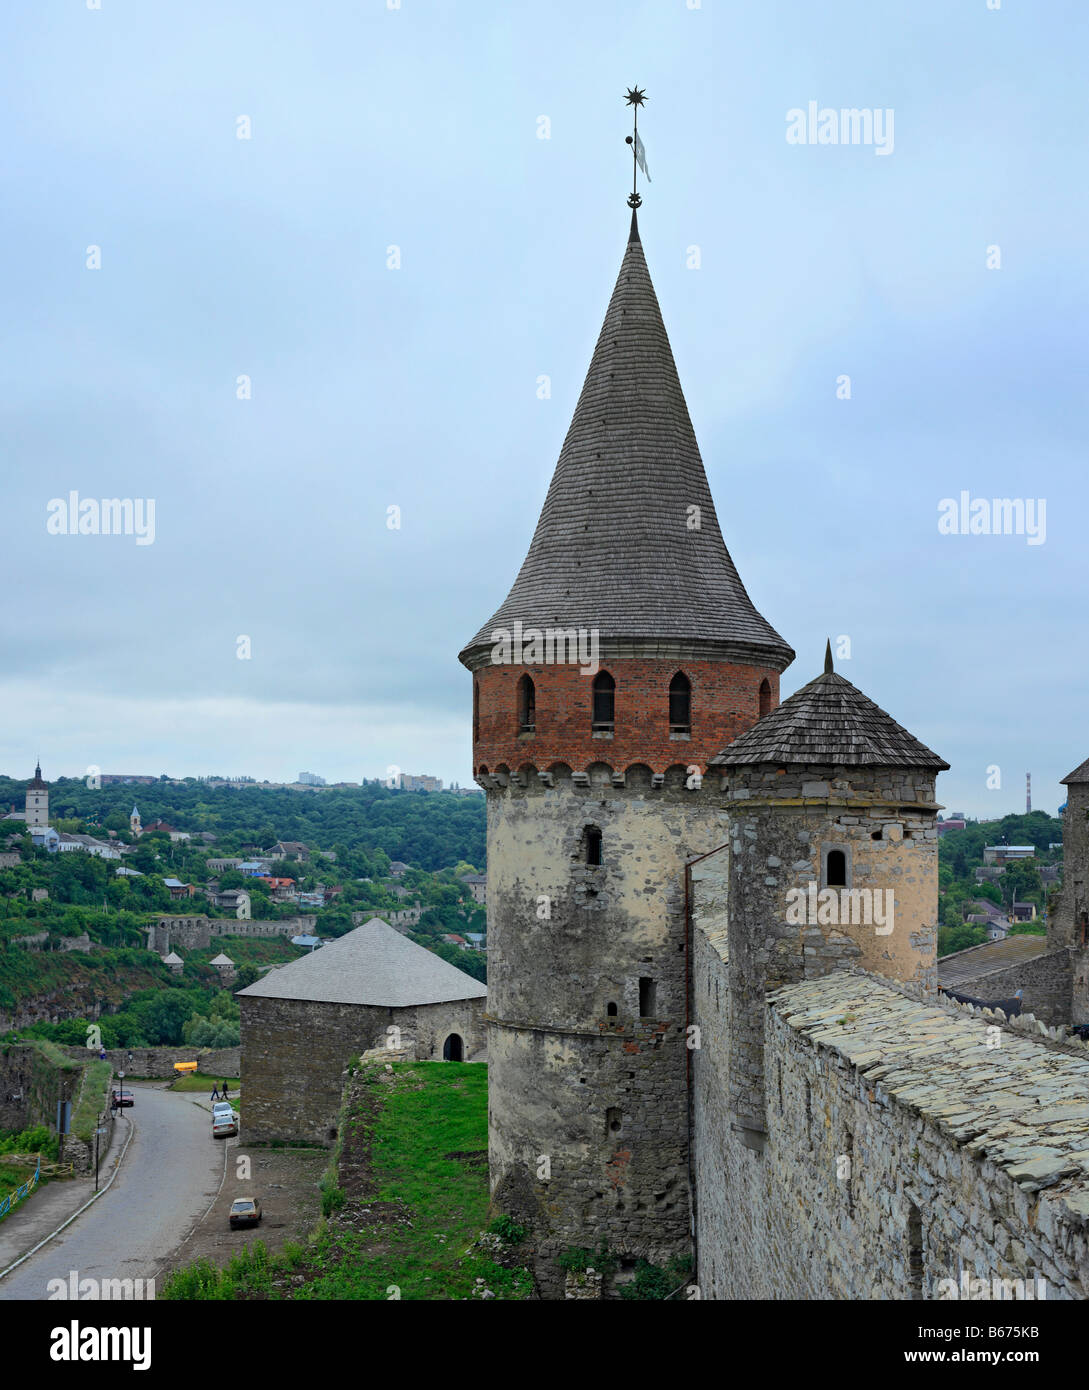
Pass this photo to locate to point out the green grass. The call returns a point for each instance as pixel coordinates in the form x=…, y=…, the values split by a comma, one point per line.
x=92, y=1099
x=12, y=1177
x=197, y=1081
x=434, y=1206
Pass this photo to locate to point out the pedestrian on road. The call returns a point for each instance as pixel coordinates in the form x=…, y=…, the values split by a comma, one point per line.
x=224, y=1090
x=215, y=1091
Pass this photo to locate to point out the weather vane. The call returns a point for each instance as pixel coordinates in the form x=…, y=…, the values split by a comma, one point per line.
x=635, y=98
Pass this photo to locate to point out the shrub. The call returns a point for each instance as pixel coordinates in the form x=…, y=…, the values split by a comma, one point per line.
x=576, y=1259
x=653, y=1283
x=508, y=1230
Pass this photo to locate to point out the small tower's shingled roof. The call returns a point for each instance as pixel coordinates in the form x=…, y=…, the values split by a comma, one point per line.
x=37, y=784
x=614, y=549
x=829, y=722
x=1080, y=774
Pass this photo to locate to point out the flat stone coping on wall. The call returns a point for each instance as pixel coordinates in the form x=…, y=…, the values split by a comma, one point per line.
x=989, y=956
x=1022, y=1105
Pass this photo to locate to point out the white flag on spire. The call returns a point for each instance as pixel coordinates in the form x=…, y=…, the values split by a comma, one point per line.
x=641, y=155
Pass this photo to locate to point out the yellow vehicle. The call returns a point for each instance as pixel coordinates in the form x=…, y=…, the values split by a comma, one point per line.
x=185, y=1066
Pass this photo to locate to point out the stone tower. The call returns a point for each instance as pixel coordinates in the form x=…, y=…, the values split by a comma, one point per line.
x=37, y=800
x=134, y=823
x=626, y=655
x=832, y=860
x=1068, y=924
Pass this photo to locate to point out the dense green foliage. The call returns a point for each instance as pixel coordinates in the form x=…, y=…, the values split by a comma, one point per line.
x=432, y=830
x=36, y=1139
x=960, y=853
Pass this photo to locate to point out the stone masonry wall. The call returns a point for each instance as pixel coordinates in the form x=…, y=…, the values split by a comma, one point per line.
x=1046, y=981
x=908, y=1144
x=30, y=1086
x=159, y=1061
x=588, y=1130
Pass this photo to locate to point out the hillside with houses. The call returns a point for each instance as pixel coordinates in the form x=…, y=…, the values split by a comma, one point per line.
x=109, y=892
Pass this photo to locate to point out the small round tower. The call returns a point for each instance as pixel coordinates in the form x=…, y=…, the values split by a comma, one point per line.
x=832, y=860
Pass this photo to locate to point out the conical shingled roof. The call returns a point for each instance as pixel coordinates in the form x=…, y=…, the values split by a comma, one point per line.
x=829, y=722
x=613, y=549
x=1080, y=774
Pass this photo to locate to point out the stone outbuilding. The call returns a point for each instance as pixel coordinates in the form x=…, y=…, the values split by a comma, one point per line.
x=225, y=966
x=302, y=1023
x=174, y=962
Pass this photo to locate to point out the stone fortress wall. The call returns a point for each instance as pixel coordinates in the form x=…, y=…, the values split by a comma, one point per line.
x=910, y=1144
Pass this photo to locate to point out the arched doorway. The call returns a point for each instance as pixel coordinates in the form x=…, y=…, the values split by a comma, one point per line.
x=452, y=1048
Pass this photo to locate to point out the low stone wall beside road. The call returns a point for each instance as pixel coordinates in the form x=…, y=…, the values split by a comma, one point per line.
x=159, y=1061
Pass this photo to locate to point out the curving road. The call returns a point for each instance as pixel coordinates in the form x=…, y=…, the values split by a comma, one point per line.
x=171, y=1172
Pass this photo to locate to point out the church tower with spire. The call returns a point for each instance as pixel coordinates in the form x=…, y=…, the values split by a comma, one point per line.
x=37, y=799
x=626, y=655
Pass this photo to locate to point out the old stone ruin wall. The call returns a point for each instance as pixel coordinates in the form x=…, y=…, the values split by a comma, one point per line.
x=911, y=1146
x=195, y=933
x=159, y=1061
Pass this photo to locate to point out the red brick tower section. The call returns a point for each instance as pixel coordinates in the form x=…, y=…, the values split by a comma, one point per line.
x=627, y=565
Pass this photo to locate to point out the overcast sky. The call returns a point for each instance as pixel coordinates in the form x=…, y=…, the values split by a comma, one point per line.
x=418, y=128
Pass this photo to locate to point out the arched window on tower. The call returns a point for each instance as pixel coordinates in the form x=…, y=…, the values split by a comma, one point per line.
x=604, y=703
x=680, y=704
x=476, y=710
x=835, y=869
x=765, y=698
x=527, y=706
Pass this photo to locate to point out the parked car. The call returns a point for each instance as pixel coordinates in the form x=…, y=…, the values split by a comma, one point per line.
x=245, y=1211
x=120, y=1098
x=222, y=1107
x=224, y=1122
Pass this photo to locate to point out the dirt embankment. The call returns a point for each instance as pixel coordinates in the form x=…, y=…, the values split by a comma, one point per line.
x=285, y=1181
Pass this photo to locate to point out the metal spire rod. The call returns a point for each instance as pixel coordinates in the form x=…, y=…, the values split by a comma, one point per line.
x=635, y=98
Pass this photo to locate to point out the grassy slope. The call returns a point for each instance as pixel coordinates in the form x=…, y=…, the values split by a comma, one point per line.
x=415, y=1175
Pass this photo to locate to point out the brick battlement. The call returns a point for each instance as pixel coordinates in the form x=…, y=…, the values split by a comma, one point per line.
x=725, y=703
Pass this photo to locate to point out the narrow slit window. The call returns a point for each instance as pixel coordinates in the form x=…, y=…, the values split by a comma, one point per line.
x=765, y=698
x=604, y=702
x=680, y=704
x=648, y=997
x=592, y=844
x=527, y=706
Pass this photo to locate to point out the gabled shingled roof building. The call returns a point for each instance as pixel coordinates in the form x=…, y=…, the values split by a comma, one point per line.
x=302, y=1022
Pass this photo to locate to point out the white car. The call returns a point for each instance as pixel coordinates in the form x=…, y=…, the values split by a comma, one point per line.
x=224, y=1120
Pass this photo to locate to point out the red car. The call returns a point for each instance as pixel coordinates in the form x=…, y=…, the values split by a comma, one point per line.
x=121, y=1098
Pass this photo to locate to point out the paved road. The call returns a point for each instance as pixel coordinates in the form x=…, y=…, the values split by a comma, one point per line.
x=170, y=1174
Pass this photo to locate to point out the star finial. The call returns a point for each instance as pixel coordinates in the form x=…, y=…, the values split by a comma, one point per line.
x=635, y=96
